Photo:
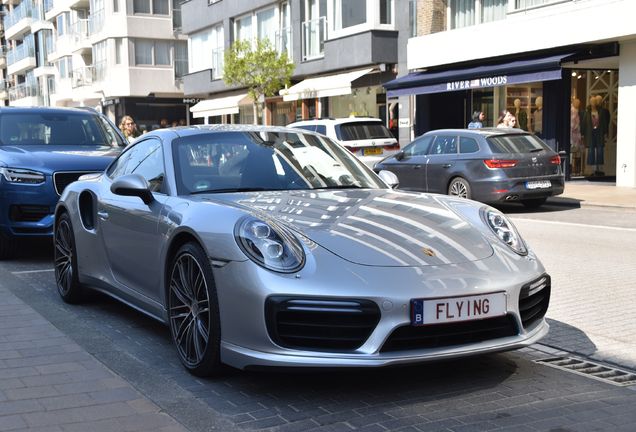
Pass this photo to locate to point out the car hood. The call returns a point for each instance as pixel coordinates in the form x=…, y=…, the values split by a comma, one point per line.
x=49, y=159
x=375, y=227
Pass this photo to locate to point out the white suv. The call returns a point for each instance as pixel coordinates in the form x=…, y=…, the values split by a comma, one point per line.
x=367, y=138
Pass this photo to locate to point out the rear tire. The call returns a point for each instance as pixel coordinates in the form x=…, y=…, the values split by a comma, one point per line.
x=193, y=311
x=534, y=202
x=65, y=254
x=9, y=247
x=460, y=188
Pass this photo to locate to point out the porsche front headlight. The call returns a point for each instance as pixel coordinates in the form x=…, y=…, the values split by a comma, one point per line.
x=269, y=245
x=504, y=229
x=14, y=175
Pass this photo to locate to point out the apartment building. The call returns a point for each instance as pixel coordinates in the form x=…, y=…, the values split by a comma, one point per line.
x=544, y=60
x=124, y=57
x=343, y=51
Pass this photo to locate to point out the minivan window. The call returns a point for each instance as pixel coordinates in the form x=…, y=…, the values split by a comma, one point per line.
x=362, y=131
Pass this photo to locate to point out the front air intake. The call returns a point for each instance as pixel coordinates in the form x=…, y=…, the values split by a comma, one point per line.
x=319, y=324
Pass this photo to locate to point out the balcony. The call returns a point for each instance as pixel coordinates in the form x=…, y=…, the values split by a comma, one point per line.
x=18, y=21
x=79, y=4
x=96, y=22
x=284, y=42
x=314, y=35
x=22, y=58
x=26, y=95
x=88, y=75
x=4, y=90
x=80, y=40
x=39, y=18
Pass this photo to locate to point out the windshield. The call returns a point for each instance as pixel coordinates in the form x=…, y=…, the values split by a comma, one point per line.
x=516, y=144
x=53, y=128
x=256, y=161
x=363, y=131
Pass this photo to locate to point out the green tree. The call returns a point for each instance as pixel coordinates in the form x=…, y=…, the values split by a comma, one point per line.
x=260, y=68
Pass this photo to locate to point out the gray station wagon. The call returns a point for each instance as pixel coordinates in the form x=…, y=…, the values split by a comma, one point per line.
x=488, y=165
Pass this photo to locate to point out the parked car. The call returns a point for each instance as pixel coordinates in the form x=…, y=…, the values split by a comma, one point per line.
x=270, y=247
x=367, y=138
x=42, y=150
x=488, y=165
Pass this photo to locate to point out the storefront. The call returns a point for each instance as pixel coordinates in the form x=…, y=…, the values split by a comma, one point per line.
x=149, y=112
x=557, y=97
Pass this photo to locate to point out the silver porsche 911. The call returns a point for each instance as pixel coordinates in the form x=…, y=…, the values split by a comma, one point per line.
x=270, y=247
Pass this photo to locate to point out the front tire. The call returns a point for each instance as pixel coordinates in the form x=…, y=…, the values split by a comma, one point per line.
x=460, y=188
x=8, y=247
x=534, y=202
x=193, y=310
x=65, y=254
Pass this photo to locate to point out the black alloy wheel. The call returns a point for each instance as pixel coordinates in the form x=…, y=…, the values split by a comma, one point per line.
x=460, y=188
x=65, y=255
x=194, y=311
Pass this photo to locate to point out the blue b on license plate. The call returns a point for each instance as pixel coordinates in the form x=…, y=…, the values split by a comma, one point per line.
x=457, y=309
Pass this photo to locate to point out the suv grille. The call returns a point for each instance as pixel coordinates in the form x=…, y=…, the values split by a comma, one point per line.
x=63, y=179
x=442, y=335
x=534, y=299
x=28, y=212
x=319, y=324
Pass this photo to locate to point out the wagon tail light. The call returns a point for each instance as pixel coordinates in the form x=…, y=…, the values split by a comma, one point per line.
x=390, y=147
x=353, y=149
x=555, y=160
x=500, y=163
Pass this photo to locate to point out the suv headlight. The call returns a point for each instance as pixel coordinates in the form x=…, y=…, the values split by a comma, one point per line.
x=269, y=245
x=504, y=229
x=14, y=175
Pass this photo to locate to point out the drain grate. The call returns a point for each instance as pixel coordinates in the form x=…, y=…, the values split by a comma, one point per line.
x=591, y=369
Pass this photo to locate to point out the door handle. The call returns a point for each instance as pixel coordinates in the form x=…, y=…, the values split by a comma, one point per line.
x=417, y=166
x=447, y=166
x=103, y=215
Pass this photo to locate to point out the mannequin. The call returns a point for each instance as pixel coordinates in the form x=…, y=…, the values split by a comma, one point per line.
x=363, y=109
x=537, y=118
x=521, y=115
x=600, y=107
x=594, y=134
x=575, y=136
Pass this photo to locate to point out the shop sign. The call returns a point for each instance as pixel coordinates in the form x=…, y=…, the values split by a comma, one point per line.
x=191, y=101
x=108, y=102
x=476, y=83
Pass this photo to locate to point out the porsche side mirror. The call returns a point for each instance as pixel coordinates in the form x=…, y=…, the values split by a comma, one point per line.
x=132, y=185
x=399, y=155
x=389, y=178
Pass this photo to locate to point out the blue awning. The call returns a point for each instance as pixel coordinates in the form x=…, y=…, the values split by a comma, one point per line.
x=518, y=72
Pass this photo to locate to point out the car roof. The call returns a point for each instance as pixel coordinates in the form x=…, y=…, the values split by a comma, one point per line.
x=42, y=109
x=215, y=128
x=485, y=132
x=336, y=120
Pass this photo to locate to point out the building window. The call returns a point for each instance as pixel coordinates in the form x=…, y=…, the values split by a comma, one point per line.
x=180, y=59
x=243, y=28
x=159, y=7
x=386, y=12
x=205, y=51
x=116, y=6
x=119, y=46
x=162, y=53
x=349, y=13
x=143, y=52
x=466, y=13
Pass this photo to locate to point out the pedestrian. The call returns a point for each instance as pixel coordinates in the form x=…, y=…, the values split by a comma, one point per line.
x=504, y=119
x=182, y=122
x=478, y=118
x=513, y=122
x=129, y=129
x=164, y=123
x=175, y=123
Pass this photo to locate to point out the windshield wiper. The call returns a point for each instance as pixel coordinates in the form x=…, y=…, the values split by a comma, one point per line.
x=534, y=150
x=229, y=190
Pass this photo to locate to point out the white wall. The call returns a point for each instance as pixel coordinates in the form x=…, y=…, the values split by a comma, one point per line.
x=583, y=21
x=626, y=118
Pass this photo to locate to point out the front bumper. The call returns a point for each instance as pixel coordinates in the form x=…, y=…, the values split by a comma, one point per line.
x=27, y=209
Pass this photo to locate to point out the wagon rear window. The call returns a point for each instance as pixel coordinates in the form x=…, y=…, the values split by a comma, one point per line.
x=516, y=144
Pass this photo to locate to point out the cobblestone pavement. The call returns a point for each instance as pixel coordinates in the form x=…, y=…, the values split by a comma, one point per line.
x=503, y=392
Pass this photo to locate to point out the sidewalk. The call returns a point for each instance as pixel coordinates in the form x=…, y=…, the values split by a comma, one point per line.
x=595, y=193
x=49, y=383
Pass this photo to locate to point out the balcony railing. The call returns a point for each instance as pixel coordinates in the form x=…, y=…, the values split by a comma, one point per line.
x=79, y=30
x=38, y=12
x=27, y=49
x=88, y=75
x=284, y=41
x=48, y=5
x=24, y=90
x=50, y=43
x=217, y=63
x=96, y=21
x=24, y=10
x=314, y=35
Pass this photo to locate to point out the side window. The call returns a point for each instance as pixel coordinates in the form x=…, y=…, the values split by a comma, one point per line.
x=322, y=129
x=144, y=158
x=444, y=144
x=468, y=145
x=419, y=147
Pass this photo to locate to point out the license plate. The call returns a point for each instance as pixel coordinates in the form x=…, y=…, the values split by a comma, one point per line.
x=372, y=151
x=539, y=184
x=457, y=309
